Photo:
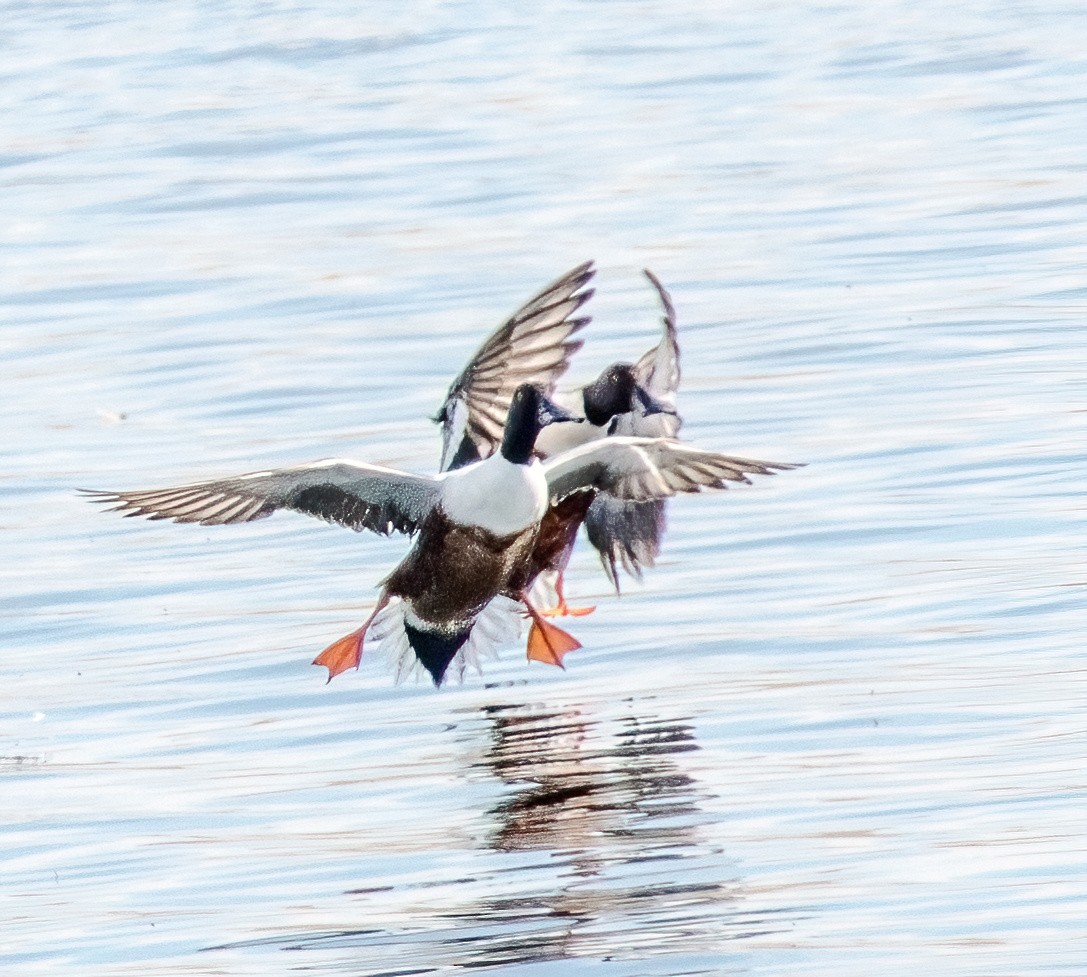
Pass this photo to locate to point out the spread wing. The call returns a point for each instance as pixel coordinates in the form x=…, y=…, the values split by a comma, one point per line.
x=630, y=533
x=640, y=469
x=533, y=346
x=355, y=495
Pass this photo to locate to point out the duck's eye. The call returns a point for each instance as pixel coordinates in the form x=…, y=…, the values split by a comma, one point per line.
x=440, y=417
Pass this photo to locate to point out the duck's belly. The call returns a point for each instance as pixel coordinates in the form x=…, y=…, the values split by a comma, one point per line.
x=453, y=571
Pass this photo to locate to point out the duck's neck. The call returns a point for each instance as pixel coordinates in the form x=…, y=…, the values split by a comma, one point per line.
x=519, y=436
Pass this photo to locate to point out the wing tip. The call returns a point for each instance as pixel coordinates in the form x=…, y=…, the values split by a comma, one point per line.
x=582, y=273
x=665, y=299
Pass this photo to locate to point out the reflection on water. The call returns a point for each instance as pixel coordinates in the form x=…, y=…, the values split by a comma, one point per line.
x=620, y=820
x=580, y=782
x=623, y=869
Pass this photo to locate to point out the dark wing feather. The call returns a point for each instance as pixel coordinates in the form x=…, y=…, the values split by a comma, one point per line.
x=533, y=346
x=627, y=534
x=355, y=495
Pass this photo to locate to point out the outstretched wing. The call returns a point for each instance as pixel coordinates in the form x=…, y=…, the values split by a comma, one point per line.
x=640, y=469
x=630, y=533
x=534, y=346
x=355, y=495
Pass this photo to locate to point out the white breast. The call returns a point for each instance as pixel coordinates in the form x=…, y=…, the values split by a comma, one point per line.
x=496, y=495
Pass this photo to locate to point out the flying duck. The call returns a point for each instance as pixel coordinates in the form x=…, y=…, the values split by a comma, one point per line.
x=627, y=399
x=630, y=533
x=475, y=527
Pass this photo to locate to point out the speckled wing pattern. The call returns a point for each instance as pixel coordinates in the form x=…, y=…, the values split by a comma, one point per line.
x=640, y=469
x=533, y=346
x=625, y=533
x=359, y=496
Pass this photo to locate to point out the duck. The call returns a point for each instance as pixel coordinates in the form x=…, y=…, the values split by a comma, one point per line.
x=630, y=534
x=474, y=527
x=637, y=400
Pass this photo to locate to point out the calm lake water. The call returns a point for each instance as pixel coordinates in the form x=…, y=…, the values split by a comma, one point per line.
x=840, y=729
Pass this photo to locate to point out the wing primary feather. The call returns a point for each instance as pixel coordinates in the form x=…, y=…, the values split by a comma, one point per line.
x=357, y=496
x=534, y=345
x=640, y=469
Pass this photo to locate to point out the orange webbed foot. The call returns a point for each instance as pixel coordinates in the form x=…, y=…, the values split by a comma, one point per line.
x=342, y=654
x=347, y=652
x=549, y=644
x=562, y=609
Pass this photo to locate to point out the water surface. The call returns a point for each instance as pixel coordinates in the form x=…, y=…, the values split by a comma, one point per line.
x=839, y=729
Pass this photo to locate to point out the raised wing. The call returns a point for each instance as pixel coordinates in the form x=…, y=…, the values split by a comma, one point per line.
x=630, y=533
x=355, y=495
x=640, y=469
x=658, y=369
x=533, y=346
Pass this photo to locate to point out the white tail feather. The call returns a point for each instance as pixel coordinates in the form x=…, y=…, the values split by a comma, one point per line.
x=499, y=623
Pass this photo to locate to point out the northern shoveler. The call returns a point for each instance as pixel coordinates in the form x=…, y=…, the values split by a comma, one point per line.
x=476, y=527
x=630, y=533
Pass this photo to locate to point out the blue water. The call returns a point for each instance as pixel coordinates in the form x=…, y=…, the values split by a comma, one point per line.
x=838, y=730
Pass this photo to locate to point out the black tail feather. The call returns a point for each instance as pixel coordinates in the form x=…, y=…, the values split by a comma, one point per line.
x=435, y=649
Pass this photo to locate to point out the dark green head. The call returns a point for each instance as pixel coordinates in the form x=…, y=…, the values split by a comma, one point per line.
x=615, y=392
x=530, y=412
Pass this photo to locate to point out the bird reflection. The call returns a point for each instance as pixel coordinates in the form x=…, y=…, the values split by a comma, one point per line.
x=628, y=871
x=582, y=782
x=599, y=850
